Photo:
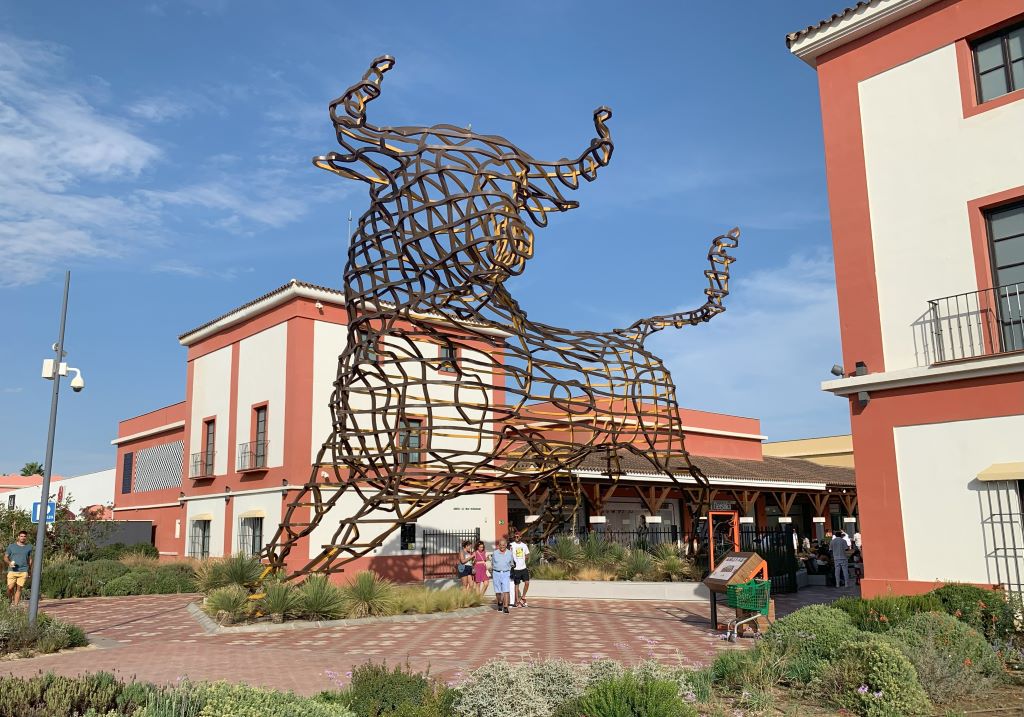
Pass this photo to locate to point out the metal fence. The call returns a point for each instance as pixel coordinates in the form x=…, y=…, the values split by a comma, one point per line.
x=643, y=538
x=440, y=551
x=977, y=323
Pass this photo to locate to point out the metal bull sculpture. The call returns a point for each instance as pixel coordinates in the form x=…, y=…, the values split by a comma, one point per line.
x=445, y=386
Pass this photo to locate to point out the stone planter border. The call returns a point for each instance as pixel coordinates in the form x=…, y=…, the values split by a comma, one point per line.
x=211, y=626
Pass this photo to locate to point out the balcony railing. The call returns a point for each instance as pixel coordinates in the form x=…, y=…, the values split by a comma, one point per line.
x=202, y=465
x=978, y=323
x=252, y=456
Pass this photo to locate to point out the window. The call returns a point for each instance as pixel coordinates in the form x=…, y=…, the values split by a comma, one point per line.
x=368, y=347
x=448, y=357
x=999, y=63
x=260, y=449
x=408, y=536
x=410, y=440
x=199, y=539
x=250, y=536
x=209, y=436
x=10, y=502
x=126, y=472
x=1006, y=232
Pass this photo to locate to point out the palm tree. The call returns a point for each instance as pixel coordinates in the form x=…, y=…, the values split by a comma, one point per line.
x=32, y=468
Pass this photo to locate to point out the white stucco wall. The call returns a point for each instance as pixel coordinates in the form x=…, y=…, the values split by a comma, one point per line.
x=328, y=342
x=84, y=490
x=462, y=513
x=211, y=396
x=456, y=435
x=262, y=371
x=268, y=504
x=924, y=163
x=214, y=507
x=939, y=493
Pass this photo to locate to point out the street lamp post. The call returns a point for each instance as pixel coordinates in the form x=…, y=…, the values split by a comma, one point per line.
x=52, y=369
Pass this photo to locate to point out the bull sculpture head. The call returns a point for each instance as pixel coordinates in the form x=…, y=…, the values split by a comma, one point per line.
x=464, y=199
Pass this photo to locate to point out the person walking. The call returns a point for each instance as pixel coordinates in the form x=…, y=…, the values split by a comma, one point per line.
x=501, y=565
x=839, y=547
x=480, y=568
x=18, y=558
x=464, y=564
x=520, y=573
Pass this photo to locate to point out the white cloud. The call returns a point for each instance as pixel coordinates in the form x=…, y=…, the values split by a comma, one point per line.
x=768, y=353
x=52, y=141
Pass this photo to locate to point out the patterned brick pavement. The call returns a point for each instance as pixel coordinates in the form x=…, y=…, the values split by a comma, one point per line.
x=155, y=638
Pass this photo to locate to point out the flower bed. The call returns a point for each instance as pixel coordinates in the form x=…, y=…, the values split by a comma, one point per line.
x=596, y=559
x=237, y=594
x=47, y=635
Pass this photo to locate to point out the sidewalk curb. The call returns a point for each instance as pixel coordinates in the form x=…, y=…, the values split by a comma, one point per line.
x=212, y=628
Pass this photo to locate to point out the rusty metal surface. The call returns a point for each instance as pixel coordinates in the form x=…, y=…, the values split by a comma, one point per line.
x=445, y=385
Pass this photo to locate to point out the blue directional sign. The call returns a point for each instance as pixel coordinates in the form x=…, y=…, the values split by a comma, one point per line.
x=51, y=511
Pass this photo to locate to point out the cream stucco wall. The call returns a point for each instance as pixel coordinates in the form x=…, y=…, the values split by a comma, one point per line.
x=261, y=377
x=465, y=512
x=268, y=505
x=214, y=509
x=826, y=451
x=940, y=495
x=924, y=162
x=211, y=396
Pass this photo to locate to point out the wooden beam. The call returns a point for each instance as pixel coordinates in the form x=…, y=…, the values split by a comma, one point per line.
x=653, y=498
x=785, y=500
x=746, y=499
x=820, y=503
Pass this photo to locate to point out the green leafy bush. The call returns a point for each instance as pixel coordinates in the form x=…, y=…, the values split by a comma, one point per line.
x=106, y=570
x=738, y=670
x=636, y=565
x=874, y=679
x=564, y=553
x=884, y=613
x=319, y=599
x=525, y=689
x=228, y=603
x=51, y=695
x=169, y=578
x=551, y=571
x=808, y=638
x=221, y=699
x=47, y=635
x=234, y=570
x=280, y=599
x=952, y=659
x=989, y=612
x=376, y=691
x=136, y=582
x=628, y=696
x=597, y=552
x=368, y=595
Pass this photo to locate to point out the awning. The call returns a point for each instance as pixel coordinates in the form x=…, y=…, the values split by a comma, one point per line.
x=1003, y=471
x=253, y=514
x=201, y=516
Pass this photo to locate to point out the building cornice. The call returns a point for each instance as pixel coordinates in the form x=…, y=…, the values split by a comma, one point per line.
x=713, y=480
x=887, y=380
x=865, y=18
x=148, y=432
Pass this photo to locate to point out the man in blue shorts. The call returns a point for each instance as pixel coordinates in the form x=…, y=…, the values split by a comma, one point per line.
x=501, y=566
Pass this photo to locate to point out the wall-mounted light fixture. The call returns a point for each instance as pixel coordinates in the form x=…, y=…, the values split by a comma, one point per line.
x=838, y=370
x=227, y=493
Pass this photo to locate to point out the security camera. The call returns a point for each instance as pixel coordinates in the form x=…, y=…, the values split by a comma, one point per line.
x=837, y=370
x=77, y=383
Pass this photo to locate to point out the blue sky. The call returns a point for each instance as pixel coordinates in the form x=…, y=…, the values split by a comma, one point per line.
x=161, y=151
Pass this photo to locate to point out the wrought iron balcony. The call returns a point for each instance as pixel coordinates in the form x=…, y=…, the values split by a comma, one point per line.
x=202, y=465
x=252, y=456
x=977, y=323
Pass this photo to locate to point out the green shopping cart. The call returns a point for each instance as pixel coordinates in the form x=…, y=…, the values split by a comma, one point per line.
x=753, y=596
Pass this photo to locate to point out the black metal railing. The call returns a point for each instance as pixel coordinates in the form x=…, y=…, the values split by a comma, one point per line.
x=202, y=465
x=252, y=456
x=440, y=551
x=977, y=323
x=642, y=538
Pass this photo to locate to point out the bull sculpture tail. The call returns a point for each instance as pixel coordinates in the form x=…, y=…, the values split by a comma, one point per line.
x=718, y=289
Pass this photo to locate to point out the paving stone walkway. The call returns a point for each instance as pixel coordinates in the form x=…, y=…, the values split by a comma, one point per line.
x=154, y=638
